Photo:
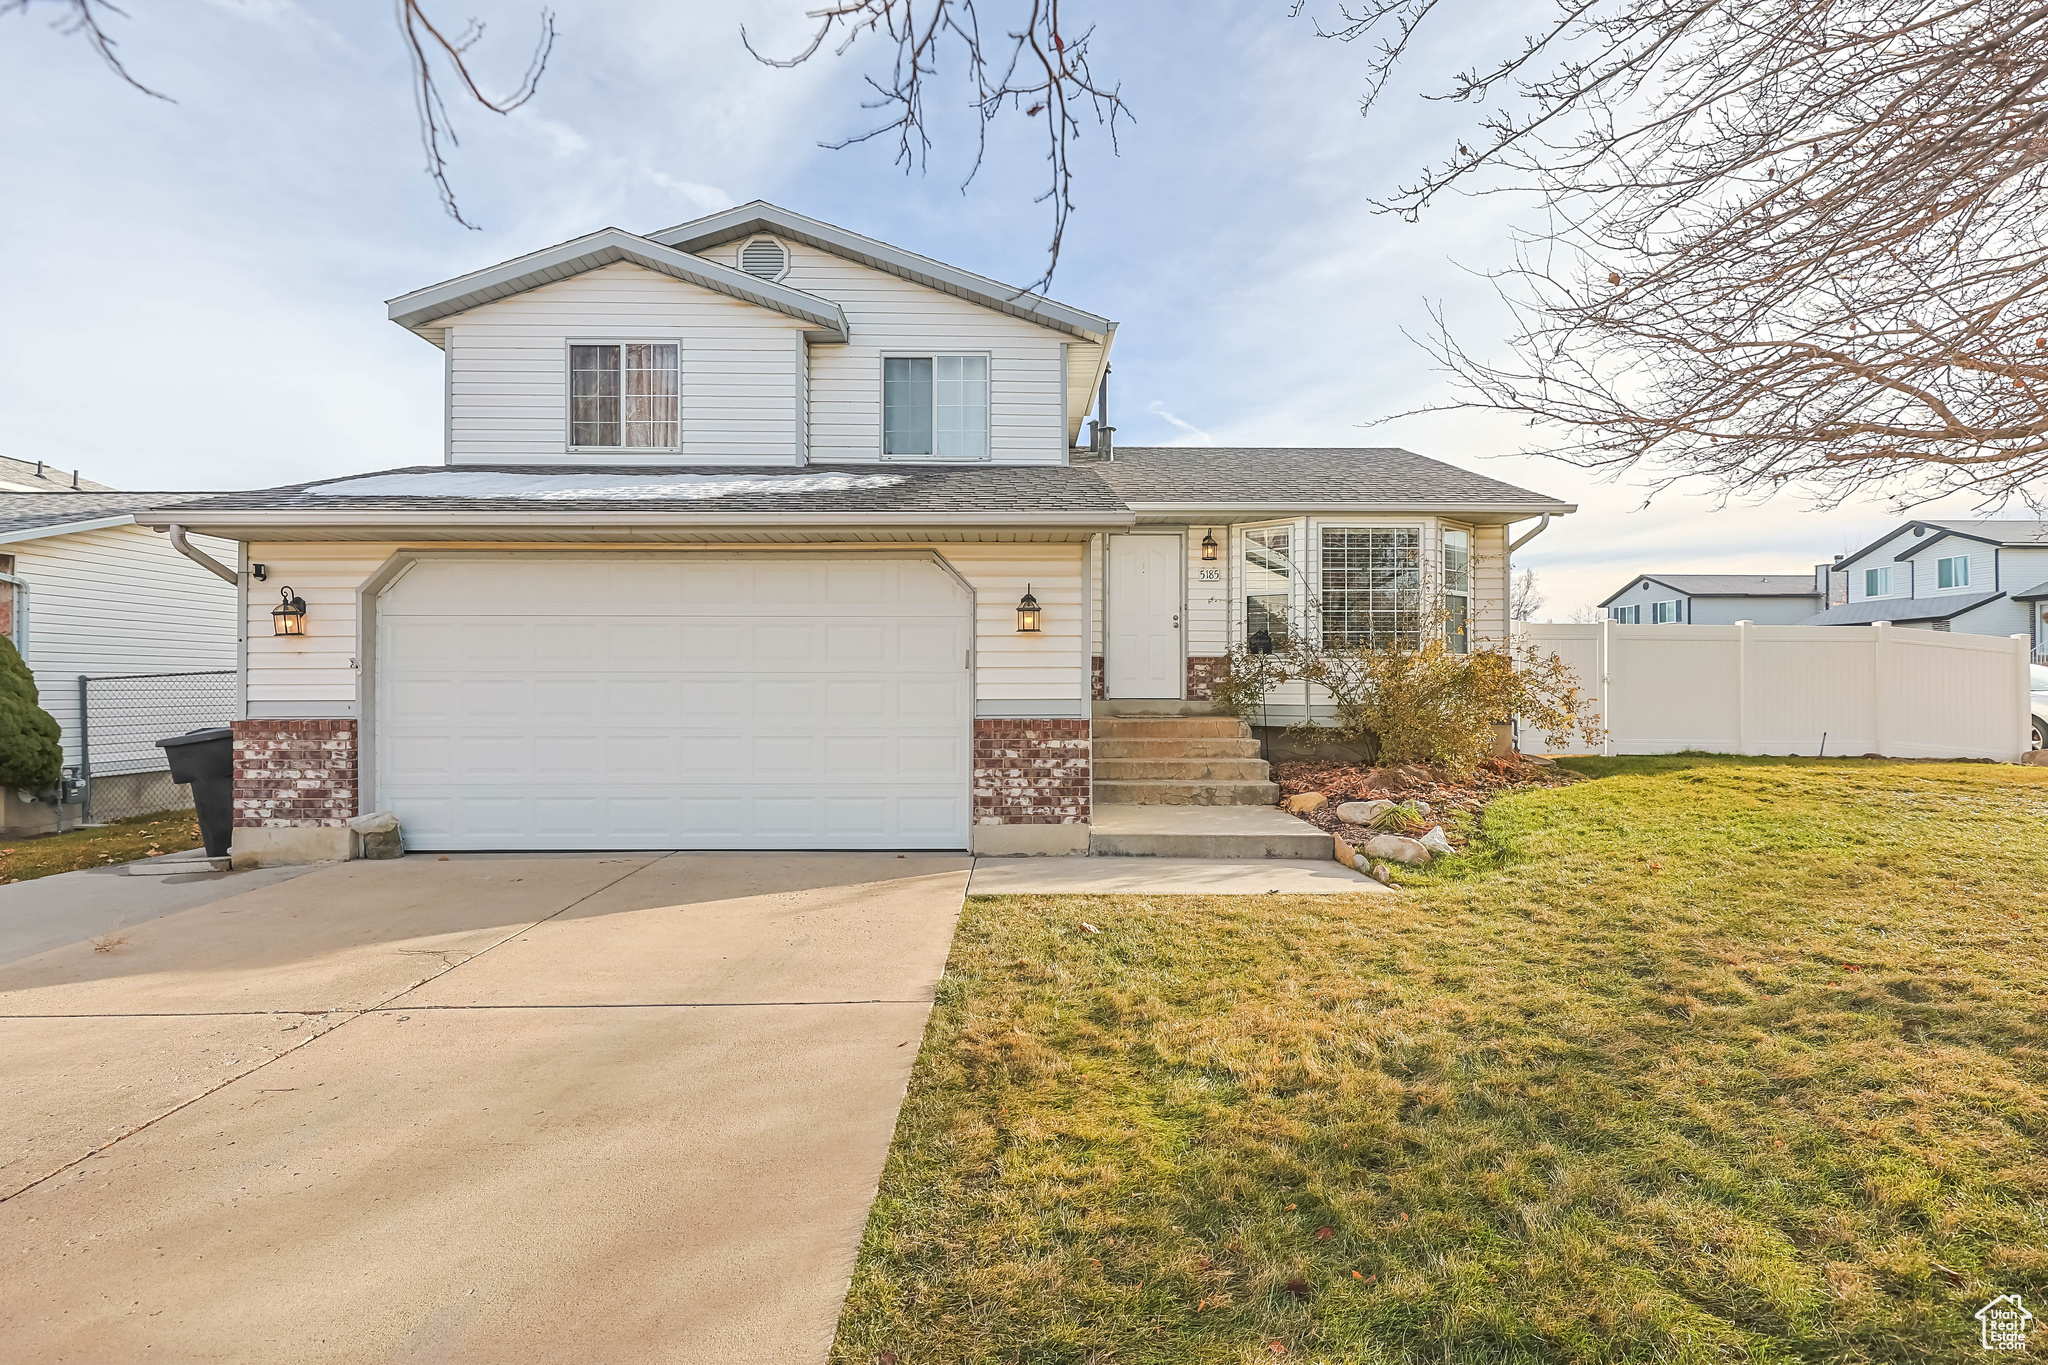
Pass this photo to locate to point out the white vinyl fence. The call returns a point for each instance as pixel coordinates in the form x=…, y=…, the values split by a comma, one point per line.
x=1749, y=689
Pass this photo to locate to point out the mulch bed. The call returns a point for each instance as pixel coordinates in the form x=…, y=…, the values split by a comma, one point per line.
x=1408, y=782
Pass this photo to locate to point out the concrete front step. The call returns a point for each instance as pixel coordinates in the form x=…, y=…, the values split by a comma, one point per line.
x=1179, y=769
x=1170, y=727
x=1204, y=832
x=1176, y=748
x=1186, y=793
x=1147, y=706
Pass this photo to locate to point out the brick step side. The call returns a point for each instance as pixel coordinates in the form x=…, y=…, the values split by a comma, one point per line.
x=1186, y=793
x=1179, y=769
x=1175, y=748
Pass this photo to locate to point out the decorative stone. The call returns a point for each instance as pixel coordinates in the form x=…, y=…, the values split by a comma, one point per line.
x=1304, y=803
x=378, y=835
x=1435, y=841
x=1363, y=812
x=1344, y=853
x=1395, y=847
x=2035, y=757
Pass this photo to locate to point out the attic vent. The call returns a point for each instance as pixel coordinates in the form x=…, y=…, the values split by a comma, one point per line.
x=765, y=257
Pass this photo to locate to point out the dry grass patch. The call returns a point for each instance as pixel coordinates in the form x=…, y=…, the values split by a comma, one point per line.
x=119, y=841
x=1706, y=1060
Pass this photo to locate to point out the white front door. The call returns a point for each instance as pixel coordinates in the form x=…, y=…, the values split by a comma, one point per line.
x=1143, y=625
x=686, y=701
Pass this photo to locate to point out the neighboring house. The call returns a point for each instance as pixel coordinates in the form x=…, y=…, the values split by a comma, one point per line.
x=757, y=533
x=84, y=590
x=35, y=476
x=1974, y=577
x=1719, y=599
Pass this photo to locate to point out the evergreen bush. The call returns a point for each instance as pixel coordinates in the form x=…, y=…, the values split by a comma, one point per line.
x=31, y=754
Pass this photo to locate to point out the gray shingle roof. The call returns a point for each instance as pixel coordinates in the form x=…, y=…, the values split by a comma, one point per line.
x=2004, y=532
x=1902, y=609
x=1730, y=584
x=26, y=476
x=1230, y=476
x=815, y=488
x=33, y=511
x=2033, y=594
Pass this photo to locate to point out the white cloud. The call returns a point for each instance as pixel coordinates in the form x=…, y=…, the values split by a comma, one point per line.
x=1191, y=435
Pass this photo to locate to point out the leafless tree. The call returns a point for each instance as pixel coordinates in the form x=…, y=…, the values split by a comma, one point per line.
x=1782, y=242
x=427, y=47
x=1524, y=598
x=1034, y=68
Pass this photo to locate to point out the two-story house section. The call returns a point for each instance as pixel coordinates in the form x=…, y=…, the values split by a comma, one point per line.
x=1976, y=577
x=754, y=532
x=1719, y=599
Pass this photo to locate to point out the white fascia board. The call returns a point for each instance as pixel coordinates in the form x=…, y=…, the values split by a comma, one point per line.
x=761, y=216
x=67, y=528
x=419, y=310
x=624, y=521
x=1249, y=510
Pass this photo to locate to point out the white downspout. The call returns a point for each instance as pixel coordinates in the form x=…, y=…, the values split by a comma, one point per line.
x=201, y=558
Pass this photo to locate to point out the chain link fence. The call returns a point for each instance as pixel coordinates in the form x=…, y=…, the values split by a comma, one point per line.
x=120, y=719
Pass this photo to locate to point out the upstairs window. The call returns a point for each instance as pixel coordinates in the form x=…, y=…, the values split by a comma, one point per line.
x=1877, y=582
x=935, y=407
x=625, y=396
x=1372, y=587
x=1631, y=615
x=1667, y=613
x=1458, y=590
x=1952, y=573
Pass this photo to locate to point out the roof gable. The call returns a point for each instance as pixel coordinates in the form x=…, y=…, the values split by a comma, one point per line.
x=421, y=309
x=1727, y=584
x=700, y=234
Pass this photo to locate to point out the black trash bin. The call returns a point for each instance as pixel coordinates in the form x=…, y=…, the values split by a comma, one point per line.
x=206, y=760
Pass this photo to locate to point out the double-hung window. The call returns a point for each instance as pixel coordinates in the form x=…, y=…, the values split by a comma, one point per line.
x=935, y=407
x=1877, y=582
x=1268, y=587
x=1667, y=613
x=1631, y=615
x=1953, y=572
x=1458, y=590
x=625, y=395
x=1371, y=587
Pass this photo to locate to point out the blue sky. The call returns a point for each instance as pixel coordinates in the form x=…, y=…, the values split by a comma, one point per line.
x=194, y=291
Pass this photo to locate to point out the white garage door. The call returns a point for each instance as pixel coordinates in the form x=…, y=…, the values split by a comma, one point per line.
x=529, y=702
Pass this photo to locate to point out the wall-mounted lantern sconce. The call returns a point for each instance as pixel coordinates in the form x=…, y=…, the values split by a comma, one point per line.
x=1029, y=617
x=1209, y=545
x=289, y=616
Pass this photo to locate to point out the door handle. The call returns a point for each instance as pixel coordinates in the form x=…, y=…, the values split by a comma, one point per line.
x=1176, y=620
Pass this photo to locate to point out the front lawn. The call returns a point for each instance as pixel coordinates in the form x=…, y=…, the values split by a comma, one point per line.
x=118, y=841
x=1705, y=1060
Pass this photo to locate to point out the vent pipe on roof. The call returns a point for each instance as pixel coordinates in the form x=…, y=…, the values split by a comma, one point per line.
x=1101, y=435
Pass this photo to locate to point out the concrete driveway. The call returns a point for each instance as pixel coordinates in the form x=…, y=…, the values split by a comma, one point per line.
x=484, y=1109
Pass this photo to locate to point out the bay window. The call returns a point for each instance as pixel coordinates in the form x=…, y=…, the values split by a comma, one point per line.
x=935, y=407
x=1371, y=587
x=1268, y=587
x=1458, y=589
x=625, y=396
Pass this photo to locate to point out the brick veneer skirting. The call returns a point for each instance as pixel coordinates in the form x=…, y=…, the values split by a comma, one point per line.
x=1098, y=680
x=1031, y=772
x=1203, y=671
x=294, y=773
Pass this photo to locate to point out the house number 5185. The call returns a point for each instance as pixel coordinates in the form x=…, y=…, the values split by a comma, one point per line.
x=1209, y=575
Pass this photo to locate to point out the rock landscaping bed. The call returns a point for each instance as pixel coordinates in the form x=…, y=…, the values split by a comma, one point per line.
x=1366, y=807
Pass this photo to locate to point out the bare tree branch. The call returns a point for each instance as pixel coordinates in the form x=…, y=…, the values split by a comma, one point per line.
x=422, y=40
x=81, y=19
x=1784, y=243
x=1036, y=68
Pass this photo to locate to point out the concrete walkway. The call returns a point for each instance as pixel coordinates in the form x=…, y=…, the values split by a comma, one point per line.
x=49, y=912
x=490, y=1109
x=1164, y=876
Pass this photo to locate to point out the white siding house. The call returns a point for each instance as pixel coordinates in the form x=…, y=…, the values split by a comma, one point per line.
x=756, y=533
x=1718, y=599
x=91, y=593
x=1971, y=577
